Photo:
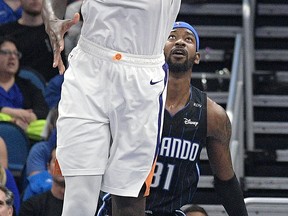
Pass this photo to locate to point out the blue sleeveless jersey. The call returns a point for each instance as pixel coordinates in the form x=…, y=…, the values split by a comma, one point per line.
x=176, y=174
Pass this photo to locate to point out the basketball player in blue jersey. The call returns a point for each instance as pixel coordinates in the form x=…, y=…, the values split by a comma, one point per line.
x=191, y=121
x=112, y=100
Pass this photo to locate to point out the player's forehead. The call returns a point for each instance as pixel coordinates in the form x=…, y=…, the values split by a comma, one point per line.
x=183, y=31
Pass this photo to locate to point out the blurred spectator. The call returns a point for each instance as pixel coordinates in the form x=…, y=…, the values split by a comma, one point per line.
x=40, y=154
x=39, y=158
x=32, y=39
x=3, y=154
x=20, y=101
x=7, y=180
x=10, y=11
x=7, y=201
x=53, y=91
x=38, y=182
x=6, y=177
x=194, y=210
x=49, y=203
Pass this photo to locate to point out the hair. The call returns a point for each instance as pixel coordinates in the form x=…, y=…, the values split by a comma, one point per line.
x=54, y=116
x=9, y=195
x=3, y=177
x=194, y=208
x=8, y=39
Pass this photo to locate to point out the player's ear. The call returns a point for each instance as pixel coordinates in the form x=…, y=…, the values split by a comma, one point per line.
x=197, y=58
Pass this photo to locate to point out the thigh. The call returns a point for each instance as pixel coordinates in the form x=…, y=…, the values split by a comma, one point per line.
x=135, y=127
x=82, y=146
x=83, y=134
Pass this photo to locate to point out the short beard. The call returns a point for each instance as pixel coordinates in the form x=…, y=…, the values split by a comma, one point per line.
x=180, y=67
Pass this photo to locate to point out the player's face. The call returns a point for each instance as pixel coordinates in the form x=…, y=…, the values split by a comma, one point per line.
x=180, y=49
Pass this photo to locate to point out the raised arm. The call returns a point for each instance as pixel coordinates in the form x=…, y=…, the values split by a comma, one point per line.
x=53, y=12
x=225, y=182
x=53, y=9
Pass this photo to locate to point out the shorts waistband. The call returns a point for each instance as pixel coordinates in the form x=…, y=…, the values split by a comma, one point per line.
x=116, y=56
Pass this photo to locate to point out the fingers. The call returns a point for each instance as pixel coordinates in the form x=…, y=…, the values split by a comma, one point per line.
x=58, y=59
x=61, y=67
x=70, y=22
x=58, y=47
x=76, y=18
x=57, y=40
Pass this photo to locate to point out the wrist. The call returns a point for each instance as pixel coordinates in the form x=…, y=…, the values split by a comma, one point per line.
x=231, y=196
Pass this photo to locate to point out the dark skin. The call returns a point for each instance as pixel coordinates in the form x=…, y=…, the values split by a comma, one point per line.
x=180, y=48
x=129, y=205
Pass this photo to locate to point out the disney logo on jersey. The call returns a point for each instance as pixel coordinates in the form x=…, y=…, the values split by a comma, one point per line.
x=189, y=121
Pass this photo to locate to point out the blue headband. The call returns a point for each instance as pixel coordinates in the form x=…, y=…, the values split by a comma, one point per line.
x=181, y=24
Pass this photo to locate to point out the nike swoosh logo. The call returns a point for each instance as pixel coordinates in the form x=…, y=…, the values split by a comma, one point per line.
x=153, y=83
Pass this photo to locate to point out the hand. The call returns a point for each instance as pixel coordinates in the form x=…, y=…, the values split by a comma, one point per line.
x=56, y=29
x=26, y=115
x=24, y=125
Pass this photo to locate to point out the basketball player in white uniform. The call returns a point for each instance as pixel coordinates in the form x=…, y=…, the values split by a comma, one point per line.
x=111, y=108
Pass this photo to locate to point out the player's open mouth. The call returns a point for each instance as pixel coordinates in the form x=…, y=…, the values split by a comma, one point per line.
x=179, y=52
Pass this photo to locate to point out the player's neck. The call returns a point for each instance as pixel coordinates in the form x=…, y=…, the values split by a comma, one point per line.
x=177, y=97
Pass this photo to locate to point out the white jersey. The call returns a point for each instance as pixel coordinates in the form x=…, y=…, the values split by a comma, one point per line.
x=143, y=29
x=114, y=91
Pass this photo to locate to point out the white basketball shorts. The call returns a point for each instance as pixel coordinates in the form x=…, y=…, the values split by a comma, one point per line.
x=110, y=116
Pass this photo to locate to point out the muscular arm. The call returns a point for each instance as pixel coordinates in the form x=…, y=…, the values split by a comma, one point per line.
x=53, y=8
x=219, y=134
x=226, y=184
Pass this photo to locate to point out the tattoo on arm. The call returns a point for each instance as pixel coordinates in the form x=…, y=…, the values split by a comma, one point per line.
x=227, y=131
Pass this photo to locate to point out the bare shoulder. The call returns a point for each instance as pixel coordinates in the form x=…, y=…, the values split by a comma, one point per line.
x=218, y=123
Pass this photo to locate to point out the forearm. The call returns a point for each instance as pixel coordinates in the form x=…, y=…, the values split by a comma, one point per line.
x=8, y=111
x=53, y=9
x=231, y=196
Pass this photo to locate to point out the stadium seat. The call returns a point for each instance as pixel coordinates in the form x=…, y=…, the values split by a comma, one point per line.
x=34, y=76
x=17, y=143
x=267, y=206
